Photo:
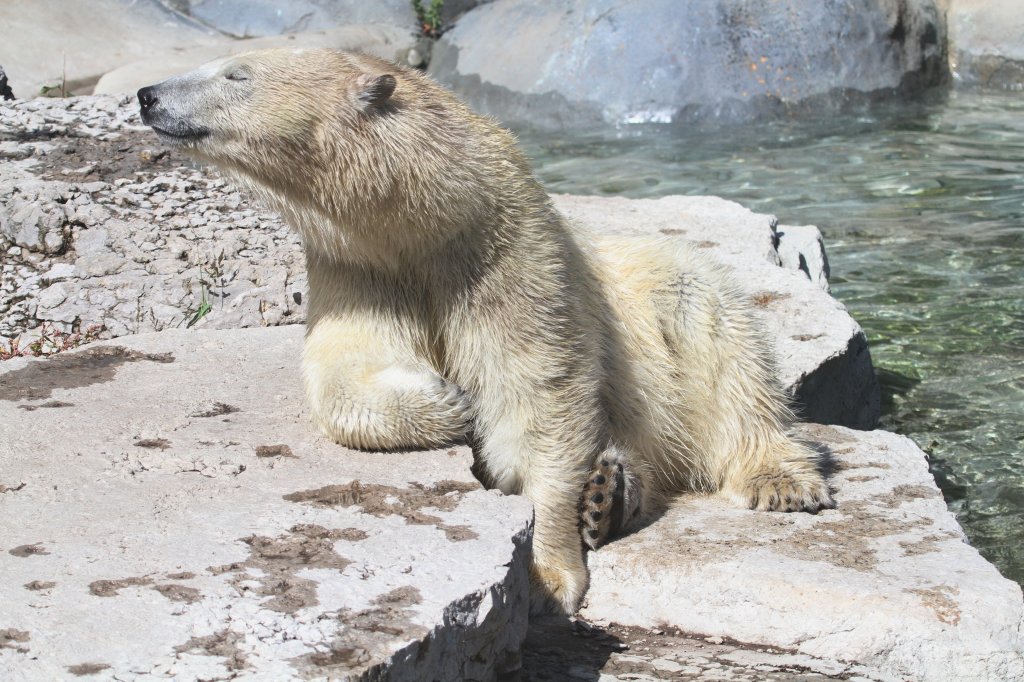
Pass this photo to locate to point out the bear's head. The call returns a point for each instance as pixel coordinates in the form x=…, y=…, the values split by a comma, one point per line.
x=365, y=158
x=275, y=101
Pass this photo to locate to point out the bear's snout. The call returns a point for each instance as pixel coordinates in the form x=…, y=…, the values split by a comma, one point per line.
x=164, y=110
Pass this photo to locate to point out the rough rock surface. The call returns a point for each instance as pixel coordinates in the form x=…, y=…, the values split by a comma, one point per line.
x=886, y=580
x=821, y=352
x=567, y=64
x=387, y=42
x=987, y=38
x=168, y=511
x=102, y=227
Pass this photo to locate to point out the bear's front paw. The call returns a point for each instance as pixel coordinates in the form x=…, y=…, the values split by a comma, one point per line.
x=453, y=401
x=556, y=589
x=789, y=489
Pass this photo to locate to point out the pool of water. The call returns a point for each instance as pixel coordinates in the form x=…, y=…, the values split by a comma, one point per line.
x=922, y=208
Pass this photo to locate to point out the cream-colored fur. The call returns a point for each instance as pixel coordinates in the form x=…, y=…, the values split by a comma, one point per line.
x=449, y=300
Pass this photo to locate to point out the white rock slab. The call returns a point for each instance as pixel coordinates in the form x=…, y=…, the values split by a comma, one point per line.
x=167, y=510
x=821, y=352
x=886, y=580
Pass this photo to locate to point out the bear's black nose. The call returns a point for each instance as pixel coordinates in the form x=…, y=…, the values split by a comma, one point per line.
x=147, y=98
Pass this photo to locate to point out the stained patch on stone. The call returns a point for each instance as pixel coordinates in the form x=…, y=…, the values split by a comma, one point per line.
x=265, y=451
x=126, y=156
x=940, y=599
x=223, y=644
x=863, y=478
x=764, y=299
x=37, y=380
x=828, y=435
x=400, y=596
x=184, y=575
x=279, y=560
x=23, y=551
x=352, y=534
x=83, y=669
x=153, y=443
x=386, y=500
x=458, y=533
x=189, y=595
x=367, y=634
x=10, y=638
x=841, y=465
x=806, y=337
x=50, y=404
x=37, y=585
x=11, y=488
x=907, y=493
x=110, y=588
x=216, y=410
x=927, y=544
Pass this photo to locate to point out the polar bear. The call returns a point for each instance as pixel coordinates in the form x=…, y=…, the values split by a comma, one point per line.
x=449, y=301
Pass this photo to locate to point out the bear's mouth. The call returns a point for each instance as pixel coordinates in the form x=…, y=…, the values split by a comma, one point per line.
x=181, y=134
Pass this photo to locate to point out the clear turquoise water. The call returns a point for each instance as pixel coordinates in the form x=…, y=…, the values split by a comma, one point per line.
x=922, y=208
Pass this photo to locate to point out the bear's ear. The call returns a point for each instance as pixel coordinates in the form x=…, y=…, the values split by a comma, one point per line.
x=375, y=90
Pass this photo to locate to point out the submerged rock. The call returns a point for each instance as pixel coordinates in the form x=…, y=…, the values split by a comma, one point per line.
x=169, y=510
x=568, y=64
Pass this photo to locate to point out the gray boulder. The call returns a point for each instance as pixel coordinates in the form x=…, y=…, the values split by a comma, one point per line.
x=568, y=64
x=252, y=18
x=987, y=42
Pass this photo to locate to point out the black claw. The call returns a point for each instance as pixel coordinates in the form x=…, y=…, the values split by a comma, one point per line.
x=596, y=515
x=593, y=533
x=600, y=480
x=598, y=498
x=604, y=463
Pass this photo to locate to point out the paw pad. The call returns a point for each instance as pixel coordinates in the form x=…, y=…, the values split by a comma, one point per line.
x=604, y=488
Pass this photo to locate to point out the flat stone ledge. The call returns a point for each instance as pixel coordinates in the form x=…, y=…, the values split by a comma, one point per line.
x=167, y=510
x=886, y=582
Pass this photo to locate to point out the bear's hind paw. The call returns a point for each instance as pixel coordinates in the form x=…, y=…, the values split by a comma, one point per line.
x=788, y=491
x=610, y=500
